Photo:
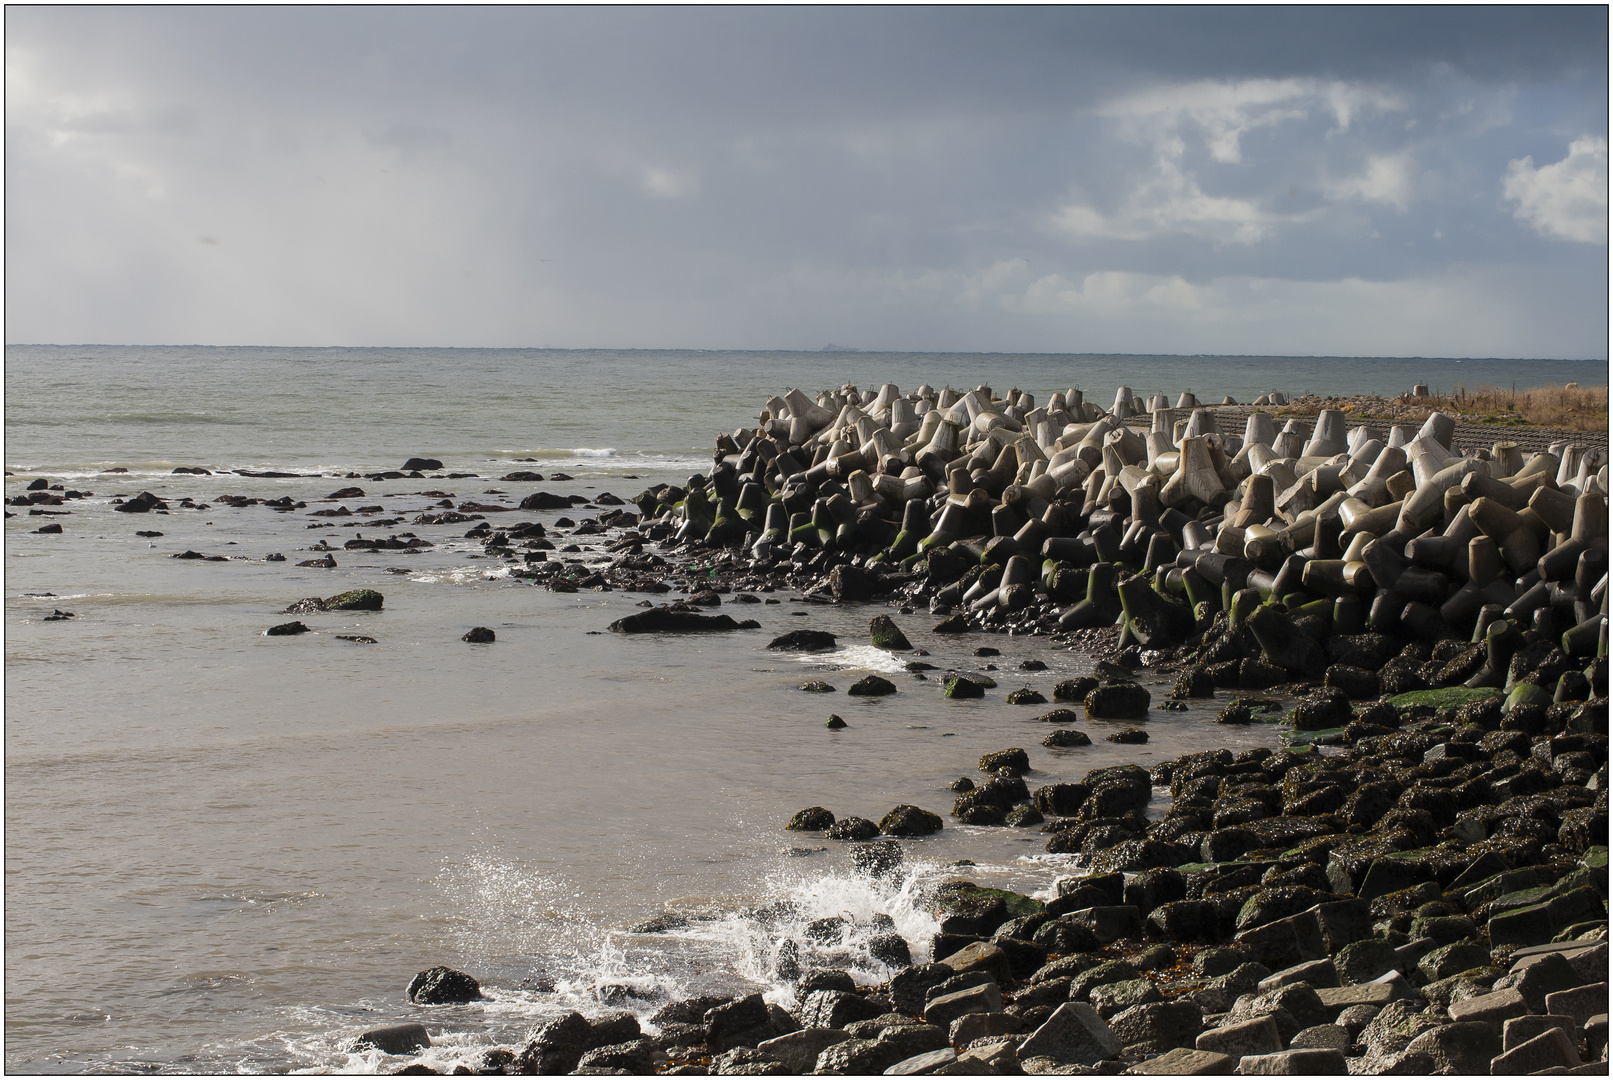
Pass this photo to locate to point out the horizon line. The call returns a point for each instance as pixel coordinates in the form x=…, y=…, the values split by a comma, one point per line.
x=840, y=351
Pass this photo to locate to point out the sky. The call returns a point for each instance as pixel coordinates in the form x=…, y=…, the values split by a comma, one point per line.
x=1349, y=181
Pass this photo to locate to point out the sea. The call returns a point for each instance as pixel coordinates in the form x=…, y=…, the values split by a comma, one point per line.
x=227, y=852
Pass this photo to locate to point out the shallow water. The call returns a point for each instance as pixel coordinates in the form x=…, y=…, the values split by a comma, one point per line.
x=227, y=851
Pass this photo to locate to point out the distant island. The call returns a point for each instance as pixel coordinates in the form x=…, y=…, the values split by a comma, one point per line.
x=832, y=347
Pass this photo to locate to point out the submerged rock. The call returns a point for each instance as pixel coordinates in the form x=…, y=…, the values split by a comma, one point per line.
x=443, y=986
x=672, y=620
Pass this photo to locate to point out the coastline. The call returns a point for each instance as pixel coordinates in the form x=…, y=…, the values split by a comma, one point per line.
x=1350, y=901
x=818, y=587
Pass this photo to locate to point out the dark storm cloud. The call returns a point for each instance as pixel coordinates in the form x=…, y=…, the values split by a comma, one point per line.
x=1175, y=179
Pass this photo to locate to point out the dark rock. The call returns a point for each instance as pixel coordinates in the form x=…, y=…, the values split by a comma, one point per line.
x=878, y=859
x=959, y=686
x=872, y=686
x=1065, y=738
x=286, y=629
x=1074, y=689
x=1118, y=701
x=1353, y=681
x=355, y=600
x=817, y=686
x=544, y=500
x=908, y=820
x=853, y=828
x=852, y=583
x=812, y=819
x=887, y=635
x=396, y=1039
x=1130, y=735
x=479, y=635
x=803, y=641
x=669, y=619
x=443, y=986
x=1025, y=696
x=1015, y=760
x=421, y=464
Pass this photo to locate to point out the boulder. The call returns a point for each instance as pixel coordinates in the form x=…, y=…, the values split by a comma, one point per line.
x=812, y=819
x=479, y=635
x=422, y=464
x=908, y=820
x=1163, y=1025
x=672, y=620
x=443, y=986
x=1074, y=1035
x=802, y=641
x=853, y=828
x=852, y=583
x=799, y=1050
x=1015, y=760
x=886, y=634
x=1118, y=701
x=355, y=600
x=396, y=1039
x=872, y=686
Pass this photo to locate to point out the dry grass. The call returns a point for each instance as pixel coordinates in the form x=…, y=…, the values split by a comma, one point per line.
x=1570, y=407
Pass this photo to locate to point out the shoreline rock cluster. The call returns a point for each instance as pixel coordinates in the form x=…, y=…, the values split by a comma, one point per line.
x=1417, y=883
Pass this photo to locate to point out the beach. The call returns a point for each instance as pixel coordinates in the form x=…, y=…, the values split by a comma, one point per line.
x=230, y=850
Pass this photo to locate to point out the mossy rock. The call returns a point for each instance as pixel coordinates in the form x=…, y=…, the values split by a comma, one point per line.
x=812, y=819
x=1026, y=696
x=1451, y=697
x=906, y=820
x=887, y=635
x=961, y=687
x=966, y=897
x=872, y=686
x=355, y=600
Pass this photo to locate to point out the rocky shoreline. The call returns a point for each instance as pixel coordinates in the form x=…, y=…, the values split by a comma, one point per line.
x=1416, y=883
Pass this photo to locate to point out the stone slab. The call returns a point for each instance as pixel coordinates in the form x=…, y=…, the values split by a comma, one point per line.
x=1547, y=1050
x=1520, y=1029
x=920, y=1064
x=1494, y=1008
x=1075, y=1034
x=1185, y=1062
x=1295, y=1063
x=1582, y=1002
x=1244, y=1039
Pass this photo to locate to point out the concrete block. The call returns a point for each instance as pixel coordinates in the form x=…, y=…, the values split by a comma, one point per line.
x=983, y=1025
x=1520, y=1029
x=1496, y=1008
x=1582, y=1002
x=1185, y=1062
x=799, y=1050
x=1245, y=1039
x=1111, y=923
x=981, y=956
x=1075, y=1035
x=1295, y=1063
x=1547, y=1050
x=1335, y=999
x=920, y=1064
x=1459, y=1049
x=1522, y=926
x=1318, y=973
x=942, y=1011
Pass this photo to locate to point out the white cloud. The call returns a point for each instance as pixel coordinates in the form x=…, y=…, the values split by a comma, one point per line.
x=1170, y=201
x=1567, y=199
x=1173, y=199
x=669, y=184
x=1387, y=178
